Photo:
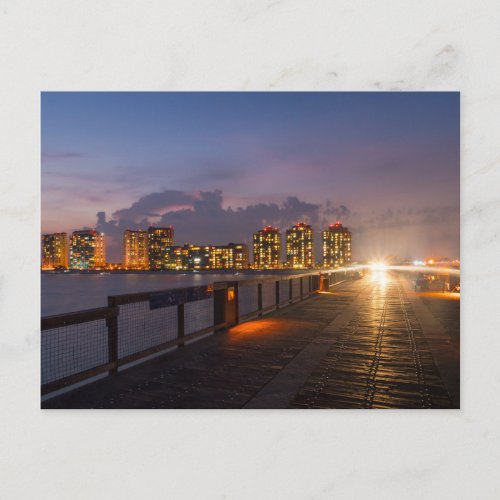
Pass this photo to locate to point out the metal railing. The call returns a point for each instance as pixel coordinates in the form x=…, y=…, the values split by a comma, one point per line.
x=80, y=345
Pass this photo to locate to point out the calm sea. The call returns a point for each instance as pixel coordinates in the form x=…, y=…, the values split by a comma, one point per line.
x=68, y=292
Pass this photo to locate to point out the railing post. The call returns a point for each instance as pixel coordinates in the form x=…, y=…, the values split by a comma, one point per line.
x=112, y=325
x=180, y=323
x=324, y=283
x=232, y=303
x=259, y=298
x=220, y=304
x=301, y=288
x=277, y=283
x=310, y=284
x=290, y=287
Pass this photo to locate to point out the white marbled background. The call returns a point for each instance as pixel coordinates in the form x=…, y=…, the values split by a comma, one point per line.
x=249, y=45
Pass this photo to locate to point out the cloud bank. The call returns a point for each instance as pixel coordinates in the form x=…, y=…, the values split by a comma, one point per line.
x=200, y=218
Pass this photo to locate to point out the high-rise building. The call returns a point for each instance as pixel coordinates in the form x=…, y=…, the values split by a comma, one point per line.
x=187, y=257
x=231, y=256
x=336, y=246
x=55, y=251
x=198, y=257
x=267, y=248
x=87, y=250
x=135, y=249
x=240, y=255
x=299, y=246
x=159, y=238
x=175, y=258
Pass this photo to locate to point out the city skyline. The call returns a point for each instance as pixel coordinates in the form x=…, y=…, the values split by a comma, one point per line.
x=219, y=164
x=155, y=249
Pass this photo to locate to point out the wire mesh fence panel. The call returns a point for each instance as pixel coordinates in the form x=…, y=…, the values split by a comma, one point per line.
x=247, y=298
x=198, y=315
x=296, y=288
x=284, y=291
x=140, y=328
x=268, y=293
x=72, y=349
x=307, y=284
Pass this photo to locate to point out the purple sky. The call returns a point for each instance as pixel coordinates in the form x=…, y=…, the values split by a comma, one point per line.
x=218, y=166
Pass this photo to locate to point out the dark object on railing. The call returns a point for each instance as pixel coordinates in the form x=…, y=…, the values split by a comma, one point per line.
x=231, y=302
x=178, y=296
x=324, y=283
x=85, y=344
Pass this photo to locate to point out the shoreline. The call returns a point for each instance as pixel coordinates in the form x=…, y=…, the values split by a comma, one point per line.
x=184, y=272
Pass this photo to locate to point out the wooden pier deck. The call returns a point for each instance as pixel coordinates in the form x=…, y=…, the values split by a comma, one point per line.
x=370, y=343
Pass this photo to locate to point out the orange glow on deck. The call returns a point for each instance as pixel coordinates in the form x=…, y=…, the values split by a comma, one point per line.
x=438, y=295
x=268, y=326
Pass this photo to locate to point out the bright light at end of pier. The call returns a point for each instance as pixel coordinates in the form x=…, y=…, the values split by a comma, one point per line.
x=378, y=274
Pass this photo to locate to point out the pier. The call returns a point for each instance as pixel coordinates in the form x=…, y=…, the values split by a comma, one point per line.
x=371, y=342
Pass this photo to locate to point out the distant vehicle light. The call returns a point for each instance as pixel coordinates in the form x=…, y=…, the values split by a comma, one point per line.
x=378, y=266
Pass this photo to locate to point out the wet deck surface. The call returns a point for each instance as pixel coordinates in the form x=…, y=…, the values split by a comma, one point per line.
x=372, y=343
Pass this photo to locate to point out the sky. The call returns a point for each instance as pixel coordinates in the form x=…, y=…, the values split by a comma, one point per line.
x=220, y=165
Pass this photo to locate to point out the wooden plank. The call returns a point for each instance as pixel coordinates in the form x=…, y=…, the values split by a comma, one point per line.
x=74, y=318
x=74, y=379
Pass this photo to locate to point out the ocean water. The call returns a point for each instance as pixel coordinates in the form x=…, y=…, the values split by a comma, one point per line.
x=68, y=292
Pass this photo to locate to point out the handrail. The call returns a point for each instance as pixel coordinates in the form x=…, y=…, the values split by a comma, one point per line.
x=226, y=313
x=76, y=317
x=130, y=298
